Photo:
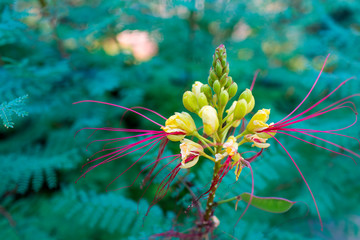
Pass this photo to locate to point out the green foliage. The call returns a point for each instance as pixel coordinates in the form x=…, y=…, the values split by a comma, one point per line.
x=8, y=109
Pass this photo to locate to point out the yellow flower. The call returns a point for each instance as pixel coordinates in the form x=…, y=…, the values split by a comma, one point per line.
x=178, y=126
x=210, y=119
x=258, y=121
x=257, y=140
x=231, y=146
x=190, y=152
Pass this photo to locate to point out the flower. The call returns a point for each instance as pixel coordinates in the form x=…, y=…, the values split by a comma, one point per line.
x=178, y=126
x=190, y=152
x=210, y=119
x=231, y=146
x=258, y=121
x=257, y=140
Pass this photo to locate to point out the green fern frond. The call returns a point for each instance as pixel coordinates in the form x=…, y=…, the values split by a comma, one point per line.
x=14, y=107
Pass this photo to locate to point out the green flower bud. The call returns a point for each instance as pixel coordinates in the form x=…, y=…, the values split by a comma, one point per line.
x=210, y=81
x=217, y=87
x=223, y=60
x=218, y=68
x=190, y=102
x=224, y=98
x=249, y=98
x=226, y=69
x=202, y=100
x=229, y=82
x=251, y=105
x=246, y=94
x=220, y=49
x=232, y=89
x=213, y=75
x=240, y=109
x=223, y=79
x=206, y=90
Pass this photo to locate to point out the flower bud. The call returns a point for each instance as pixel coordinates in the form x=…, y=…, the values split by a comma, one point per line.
x=190, y=152
x=213, y=75
x=224, y=98
x=223, y=79
x=202, y=100
x=232, y=90
x=178, y=126
x=223, y=60
x=196, y=88
x=249, y=98
x=218, y=68
x=190, y=102
x=207, y=91
x=210, y=81
x=240, y=109
x=258, y=121
x=210, y=119
x=229, y=82
x=217, y=87
x=226, y=69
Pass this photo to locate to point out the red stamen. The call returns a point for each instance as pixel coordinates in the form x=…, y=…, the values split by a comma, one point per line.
x=302, y=176
x=122, y=108
x=322, y=68
x=252, y=191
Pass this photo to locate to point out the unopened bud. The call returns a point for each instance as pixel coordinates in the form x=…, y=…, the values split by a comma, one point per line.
x=232, y=90
x=196, y=88
x=226, y=69
x=206, y=90
x=223, y=60
x=240, y=109
x=224, y=98
x=202, y=100
x=217, y=87
x=218, y=68
x=249, y=98
x=213, y=75
x=229, y=82
x=210, y=120
x=210, y=81
x=223, y=79
x=190, y=101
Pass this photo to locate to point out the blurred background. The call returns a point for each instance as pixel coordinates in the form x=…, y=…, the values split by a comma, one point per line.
x=147, y=53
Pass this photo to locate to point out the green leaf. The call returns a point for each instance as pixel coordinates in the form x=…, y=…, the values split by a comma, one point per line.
x=269, y=204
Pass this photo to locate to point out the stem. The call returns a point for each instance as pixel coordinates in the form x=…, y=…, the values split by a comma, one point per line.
x=242, y=134
x=210, y=201
x=202, y=139
x=228, y=200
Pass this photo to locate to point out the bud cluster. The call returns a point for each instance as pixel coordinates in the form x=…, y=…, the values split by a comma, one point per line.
x=209, y=102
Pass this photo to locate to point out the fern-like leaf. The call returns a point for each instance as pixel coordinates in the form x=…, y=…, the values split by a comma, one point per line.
x=8, y=109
